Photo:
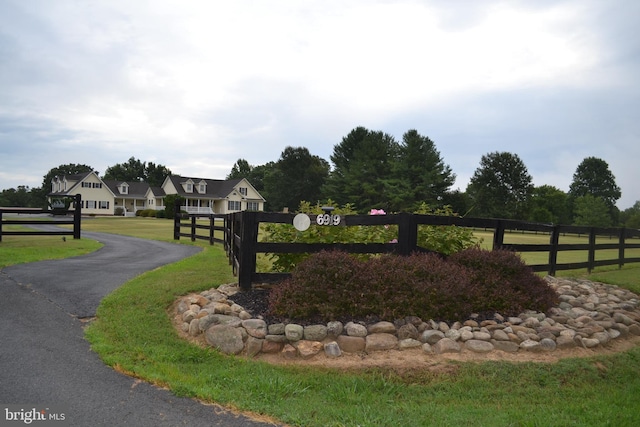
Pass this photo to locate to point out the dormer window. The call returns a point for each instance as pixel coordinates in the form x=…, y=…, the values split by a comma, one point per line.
x=202, y=187
x=124, y=189
x=189, y=188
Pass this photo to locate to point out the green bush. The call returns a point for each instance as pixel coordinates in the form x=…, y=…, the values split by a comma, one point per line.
x=146, y=213
x=443, y=239
x=334, y=285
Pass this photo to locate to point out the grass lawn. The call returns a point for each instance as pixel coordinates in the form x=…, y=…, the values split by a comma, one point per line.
x=21, y=249
x=133, y=333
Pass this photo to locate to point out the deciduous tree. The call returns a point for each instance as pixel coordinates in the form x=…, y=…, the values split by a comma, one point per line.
x=500, y=187
x=296, y=176
x=593, y=177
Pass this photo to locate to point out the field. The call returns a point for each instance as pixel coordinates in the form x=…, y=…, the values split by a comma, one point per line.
x=133, y=334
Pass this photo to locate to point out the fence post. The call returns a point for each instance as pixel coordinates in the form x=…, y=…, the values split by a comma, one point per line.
x=176, y=220
x=553, y=250
x=592, y=249
x=407, y=234
x=212, y=223
x=248, y=238
x=621, y=241
x=193, y=228
x=77, y=215
x=498, y=235
x=0, y=225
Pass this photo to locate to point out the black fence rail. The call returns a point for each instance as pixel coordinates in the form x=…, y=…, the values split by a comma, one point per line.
x=194, y=223
x=241, y=240
x=7, y=217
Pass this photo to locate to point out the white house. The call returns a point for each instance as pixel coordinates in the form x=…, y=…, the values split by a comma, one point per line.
x=107, y=197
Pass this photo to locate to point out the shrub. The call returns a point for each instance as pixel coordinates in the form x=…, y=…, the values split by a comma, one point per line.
x=119, y=211
x=442, y=239
x=504, y=283
x=334, y=285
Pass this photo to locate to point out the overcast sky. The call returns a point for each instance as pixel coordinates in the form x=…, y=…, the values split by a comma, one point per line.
x=196, y=85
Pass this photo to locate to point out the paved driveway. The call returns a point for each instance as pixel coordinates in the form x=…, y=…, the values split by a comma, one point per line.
x=44, y=359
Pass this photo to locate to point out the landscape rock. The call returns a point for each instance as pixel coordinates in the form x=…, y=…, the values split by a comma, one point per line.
x=446, y=345
x=225, y=338
x=380, y=341
x=478, y=346
x=589, y=315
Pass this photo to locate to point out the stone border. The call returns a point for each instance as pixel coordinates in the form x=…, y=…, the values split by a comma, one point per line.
x=590, y=315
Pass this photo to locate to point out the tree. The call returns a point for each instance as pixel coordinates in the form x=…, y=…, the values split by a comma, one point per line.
x=136, y=171
x=254, y=174
x=592, y=211
x=549, y=204
x=40, y=194
x=362, y=173
x=500, y=187
x=170, y=205
x=593, y=177
x=154, y=175
x=241, y=169
x=630, y=217
x=20, y=197
x=296, y=176
x=419, y=173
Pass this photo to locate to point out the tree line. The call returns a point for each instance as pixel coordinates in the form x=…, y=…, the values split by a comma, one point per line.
x=372, y=170
x=132, y=170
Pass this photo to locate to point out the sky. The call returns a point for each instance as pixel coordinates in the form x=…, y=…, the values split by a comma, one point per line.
x=195, y=85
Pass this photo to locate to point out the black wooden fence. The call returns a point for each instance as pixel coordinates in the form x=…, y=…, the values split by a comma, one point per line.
x=11, y=219
x=242, y=245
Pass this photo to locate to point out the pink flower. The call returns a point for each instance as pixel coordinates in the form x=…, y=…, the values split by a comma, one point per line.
x=377, y=212
x=394, y=241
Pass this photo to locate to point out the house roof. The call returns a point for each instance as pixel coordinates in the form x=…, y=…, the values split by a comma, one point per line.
x=137, y=190
x=216, y=188
x=75, y=179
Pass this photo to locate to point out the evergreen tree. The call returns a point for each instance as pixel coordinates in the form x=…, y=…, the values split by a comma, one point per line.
x=419, y=173
x=296, y=176
x=362, y=174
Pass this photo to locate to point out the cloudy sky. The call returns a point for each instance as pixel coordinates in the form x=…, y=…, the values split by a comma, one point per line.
x=197, y=84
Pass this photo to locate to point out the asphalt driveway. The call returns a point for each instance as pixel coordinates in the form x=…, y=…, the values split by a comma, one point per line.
x=45, y=360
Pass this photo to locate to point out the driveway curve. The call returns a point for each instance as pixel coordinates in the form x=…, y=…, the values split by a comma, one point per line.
x=45, y=360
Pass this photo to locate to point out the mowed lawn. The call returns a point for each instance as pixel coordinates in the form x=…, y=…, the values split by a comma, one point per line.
x=133, y=333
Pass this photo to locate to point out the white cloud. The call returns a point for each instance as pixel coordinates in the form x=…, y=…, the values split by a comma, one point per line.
x=198, y=84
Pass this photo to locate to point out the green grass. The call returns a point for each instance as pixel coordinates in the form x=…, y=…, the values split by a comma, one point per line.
x=133, y=333
x=22, y=249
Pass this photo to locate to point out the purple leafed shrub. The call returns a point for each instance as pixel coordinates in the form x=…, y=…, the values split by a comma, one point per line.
x=334, y=285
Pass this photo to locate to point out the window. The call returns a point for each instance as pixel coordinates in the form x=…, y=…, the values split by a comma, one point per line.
x=253, y=206
x=243, y=191
x=234, y=205
x=189, y=188
x=202, y=188
x=124, y=189
x=90, y=204
x=97, y=185
x=103, y=204
x=86, y=185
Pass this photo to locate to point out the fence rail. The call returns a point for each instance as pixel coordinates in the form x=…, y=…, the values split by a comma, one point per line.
x=242, y=245
x=75, y=221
